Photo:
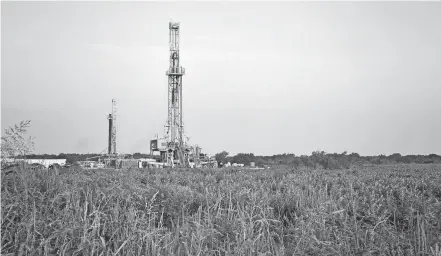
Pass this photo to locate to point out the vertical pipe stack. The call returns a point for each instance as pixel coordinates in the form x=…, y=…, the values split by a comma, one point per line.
x=109, y=147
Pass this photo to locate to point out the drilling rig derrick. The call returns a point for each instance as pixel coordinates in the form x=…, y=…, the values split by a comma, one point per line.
x=112, y=157
x=112, y=130
x=173, y=147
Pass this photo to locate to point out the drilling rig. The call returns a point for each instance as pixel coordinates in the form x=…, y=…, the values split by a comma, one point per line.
x=111, y=149
x=113, y=158
x=173, y=147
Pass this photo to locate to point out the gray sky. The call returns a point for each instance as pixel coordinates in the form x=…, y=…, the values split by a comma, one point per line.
x=262, y=77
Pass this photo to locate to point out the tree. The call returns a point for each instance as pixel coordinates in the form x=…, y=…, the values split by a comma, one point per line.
x=318, y=158
x=221, y=157
x=244, y=158
x=14, y=142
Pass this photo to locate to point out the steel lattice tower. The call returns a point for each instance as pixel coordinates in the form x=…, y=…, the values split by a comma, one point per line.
x=112, y=130
x=173, y=147
x=174, y=125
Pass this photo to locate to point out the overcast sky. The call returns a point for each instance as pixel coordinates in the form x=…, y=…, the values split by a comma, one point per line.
x=261, y=77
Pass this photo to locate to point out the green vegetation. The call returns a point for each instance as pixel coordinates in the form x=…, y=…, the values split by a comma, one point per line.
x=315, y=160
x=329, y=161
x=14, y=143
x=380, y=210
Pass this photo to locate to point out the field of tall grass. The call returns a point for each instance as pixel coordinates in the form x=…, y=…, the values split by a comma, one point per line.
x=383, y=210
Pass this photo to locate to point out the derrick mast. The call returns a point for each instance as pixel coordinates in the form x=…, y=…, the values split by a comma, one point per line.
x=173, y=147
x=174, y=126
x=112, y=130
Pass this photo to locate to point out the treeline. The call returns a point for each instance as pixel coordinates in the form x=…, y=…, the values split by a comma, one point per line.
x=317, y=159
x=321, y=159
x=74, y=157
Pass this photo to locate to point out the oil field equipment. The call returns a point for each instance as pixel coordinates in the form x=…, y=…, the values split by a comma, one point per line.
x=173, y=147
x=112, y=130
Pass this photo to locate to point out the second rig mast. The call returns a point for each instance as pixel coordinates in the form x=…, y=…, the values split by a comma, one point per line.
x=111, y=148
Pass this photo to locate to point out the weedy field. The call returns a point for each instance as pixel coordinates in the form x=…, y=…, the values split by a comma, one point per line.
x=380, y=210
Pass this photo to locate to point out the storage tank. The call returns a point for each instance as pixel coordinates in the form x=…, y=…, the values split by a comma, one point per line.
x=198, y=152
x=252, y=164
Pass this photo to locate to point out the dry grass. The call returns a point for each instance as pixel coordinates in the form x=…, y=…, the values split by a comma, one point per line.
x=385, y=210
